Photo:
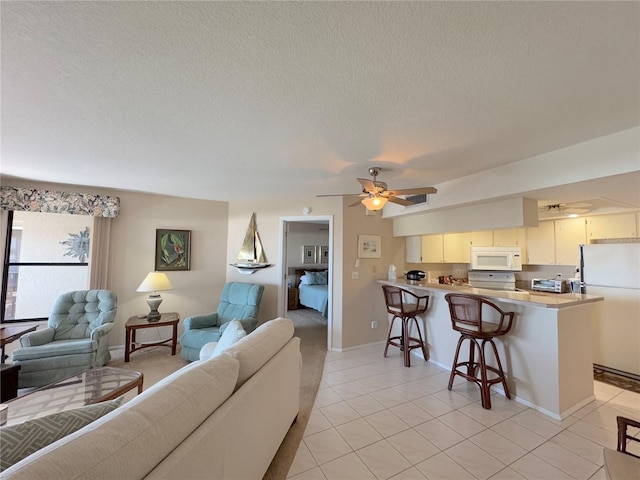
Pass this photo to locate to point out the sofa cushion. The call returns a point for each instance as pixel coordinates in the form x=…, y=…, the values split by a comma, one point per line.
x=21, y=440
x=256, y=349
x=130, y=443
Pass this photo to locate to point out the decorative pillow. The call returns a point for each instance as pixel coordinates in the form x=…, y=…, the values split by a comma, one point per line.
x=304, y=280
x=21, y=440
x=317, y=278
x=231, y=335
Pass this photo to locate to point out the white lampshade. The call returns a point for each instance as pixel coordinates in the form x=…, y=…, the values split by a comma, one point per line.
x=374, y=203
x=155, y=282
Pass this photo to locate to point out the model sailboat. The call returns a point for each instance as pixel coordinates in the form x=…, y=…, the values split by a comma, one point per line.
x=251, y=256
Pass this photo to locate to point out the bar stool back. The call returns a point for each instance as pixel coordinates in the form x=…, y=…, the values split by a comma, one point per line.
x=467, y=318
x=406, y=306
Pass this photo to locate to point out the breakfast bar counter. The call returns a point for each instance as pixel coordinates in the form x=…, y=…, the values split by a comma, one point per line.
x=547, y=355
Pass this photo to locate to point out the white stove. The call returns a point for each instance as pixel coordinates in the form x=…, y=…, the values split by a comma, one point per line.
x=493, y=280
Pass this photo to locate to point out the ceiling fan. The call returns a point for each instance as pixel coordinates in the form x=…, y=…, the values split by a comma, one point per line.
x=375, y=194
x=568, y=208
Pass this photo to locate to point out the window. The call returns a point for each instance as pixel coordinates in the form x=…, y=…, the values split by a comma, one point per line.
x=48, y=255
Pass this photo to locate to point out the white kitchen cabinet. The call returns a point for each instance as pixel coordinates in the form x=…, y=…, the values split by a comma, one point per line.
x=511, y=237
x=570, y=233
x=456, y=247
x=541, y=244
x=612, y=226
x=413, y=249
x=482, y=239
x=507, y=237
x=432, y=249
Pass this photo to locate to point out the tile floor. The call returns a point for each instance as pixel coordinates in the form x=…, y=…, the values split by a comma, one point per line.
x=375, y=419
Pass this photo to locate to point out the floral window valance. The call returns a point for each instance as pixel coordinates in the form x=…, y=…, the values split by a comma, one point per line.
x=47, y=201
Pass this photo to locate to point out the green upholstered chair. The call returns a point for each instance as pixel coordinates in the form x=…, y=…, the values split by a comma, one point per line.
x=238, y=301
x=75, y=339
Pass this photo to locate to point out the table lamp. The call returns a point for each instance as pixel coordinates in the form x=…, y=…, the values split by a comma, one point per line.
x=154, y=282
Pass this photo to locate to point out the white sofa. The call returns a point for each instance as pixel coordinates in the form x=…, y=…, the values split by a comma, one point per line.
x=222, y=418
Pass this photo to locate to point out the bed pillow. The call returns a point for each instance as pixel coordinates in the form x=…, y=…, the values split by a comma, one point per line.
x=317, y=278
x=21, y=440
x=304, y=280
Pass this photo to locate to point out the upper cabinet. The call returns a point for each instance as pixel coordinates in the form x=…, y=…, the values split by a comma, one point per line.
x=556, y=242
x=413, y=249
x=456, y=248
x=482, y=239
x=432, y=249
x=424, y=249
x=570, y=234
x=541, y=244
x=612, y=226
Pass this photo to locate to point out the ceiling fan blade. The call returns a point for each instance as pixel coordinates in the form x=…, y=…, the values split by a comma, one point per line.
x=354, y=204
x=413, y=191
x=400, y=201
x=367, y=185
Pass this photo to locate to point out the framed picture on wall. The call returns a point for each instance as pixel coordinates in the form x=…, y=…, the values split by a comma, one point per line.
x=309, y=254
x=369, y=246
x=324, y=254
x=173, y=250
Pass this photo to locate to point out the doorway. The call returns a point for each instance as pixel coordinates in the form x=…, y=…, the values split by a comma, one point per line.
x=306, y=245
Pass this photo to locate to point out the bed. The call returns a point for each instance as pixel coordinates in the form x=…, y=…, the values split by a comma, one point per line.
x=314, y=296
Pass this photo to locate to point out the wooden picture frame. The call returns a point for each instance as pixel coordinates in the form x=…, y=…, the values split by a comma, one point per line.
x=369, y=246
x=173, y=250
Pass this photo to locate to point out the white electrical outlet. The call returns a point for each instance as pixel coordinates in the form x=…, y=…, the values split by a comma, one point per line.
x=374, y=324
x=458, y=272
x=355, y=275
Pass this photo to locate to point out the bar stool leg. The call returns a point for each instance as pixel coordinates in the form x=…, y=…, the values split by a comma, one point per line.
x=422, y=341
x=406, y=342
x=501, y=374
x=485, y=394
x=386, y=348
x=454, y=367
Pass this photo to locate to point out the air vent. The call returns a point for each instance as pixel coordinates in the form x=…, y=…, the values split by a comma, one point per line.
x=418, y=198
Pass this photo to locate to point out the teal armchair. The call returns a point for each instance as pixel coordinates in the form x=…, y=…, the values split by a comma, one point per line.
x=238, y=301
x=75, y=339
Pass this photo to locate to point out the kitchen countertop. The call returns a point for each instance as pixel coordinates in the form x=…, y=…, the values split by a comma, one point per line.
x=527, y=298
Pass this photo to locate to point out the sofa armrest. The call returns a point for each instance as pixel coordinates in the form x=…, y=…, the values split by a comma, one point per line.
x=101, y=331
x=39, y=337
x=201, y=321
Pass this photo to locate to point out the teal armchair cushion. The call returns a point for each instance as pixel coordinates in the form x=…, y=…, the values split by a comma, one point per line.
x=238, y=301
x=75, y=339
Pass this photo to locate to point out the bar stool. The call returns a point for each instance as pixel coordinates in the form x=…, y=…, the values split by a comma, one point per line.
x=399, y=305
x=466, y=318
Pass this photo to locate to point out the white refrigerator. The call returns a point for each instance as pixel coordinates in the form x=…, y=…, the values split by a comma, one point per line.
x=612, y=271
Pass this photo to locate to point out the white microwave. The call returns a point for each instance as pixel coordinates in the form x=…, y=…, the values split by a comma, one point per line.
x=496, y=258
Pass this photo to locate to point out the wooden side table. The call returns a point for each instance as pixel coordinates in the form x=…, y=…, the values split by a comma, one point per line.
x=292, y=299
x=170, y=319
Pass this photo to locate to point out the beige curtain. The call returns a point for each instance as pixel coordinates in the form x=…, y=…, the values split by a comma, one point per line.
x=99, y=257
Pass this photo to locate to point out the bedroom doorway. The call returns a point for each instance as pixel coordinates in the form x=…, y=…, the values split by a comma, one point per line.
x=307, y=247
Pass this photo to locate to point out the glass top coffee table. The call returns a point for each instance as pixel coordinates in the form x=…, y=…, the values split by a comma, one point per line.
x=92, y=386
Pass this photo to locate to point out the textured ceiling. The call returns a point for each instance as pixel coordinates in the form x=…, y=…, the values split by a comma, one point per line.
x=236, y=100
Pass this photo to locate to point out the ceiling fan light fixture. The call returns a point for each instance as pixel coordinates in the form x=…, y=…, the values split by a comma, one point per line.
x=374, y=203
